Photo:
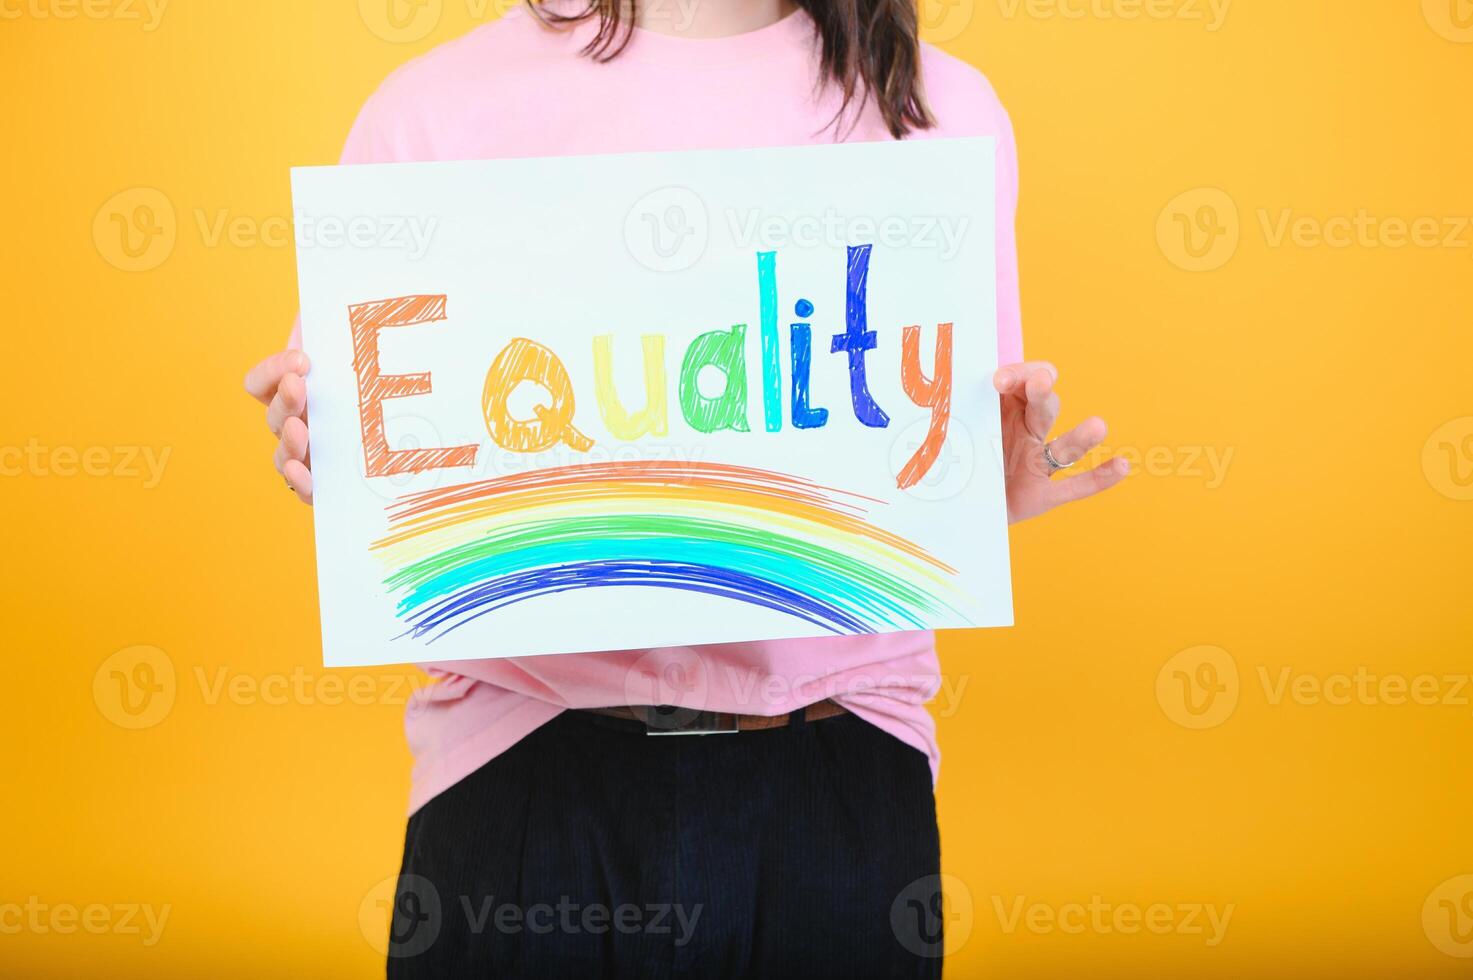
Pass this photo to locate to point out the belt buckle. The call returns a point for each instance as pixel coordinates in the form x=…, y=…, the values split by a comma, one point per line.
x=669, y=719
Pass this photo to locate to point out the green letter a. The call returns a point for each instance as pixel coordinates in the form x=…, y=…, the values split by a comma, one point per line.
x=725, y=350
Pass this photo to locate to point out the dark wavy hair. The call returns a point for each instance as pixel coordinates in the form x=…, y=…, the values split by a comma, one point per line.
x=870, y=51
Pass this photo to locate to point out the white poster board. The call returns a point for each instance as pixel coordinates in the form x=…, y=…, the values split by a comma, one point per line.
x=615, y=402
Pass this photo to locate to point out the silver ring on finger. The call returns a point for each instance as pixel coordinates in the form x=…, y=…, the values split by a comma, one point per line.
x=1053, y=463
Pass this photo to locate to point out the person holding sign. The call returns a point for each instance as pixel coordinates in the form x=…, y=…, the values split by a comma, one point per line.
x=548, y=835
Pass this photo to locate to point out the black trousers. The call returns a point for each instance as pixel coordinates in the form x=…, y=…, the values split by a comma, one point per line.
x=591, y=849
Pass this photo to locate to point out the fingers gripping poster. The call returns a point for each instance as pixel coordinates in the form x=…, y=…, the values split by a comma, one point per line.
x=613, y=402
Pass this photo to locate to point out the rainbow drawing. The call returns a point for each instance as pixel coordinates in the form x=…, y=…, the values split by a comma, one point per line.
x=751, y=535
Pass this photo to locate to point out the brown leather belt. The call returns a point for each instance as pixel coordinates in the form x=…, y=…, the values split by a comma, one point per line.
x=670, y=720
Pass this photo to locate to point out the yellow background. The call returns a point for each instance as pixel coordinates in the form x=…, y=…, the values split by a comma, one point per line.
x=1335, y=539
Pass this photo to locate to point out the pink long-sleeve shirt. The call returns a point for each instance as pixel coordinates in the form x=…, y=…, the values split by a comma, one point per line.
x=514, y=88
